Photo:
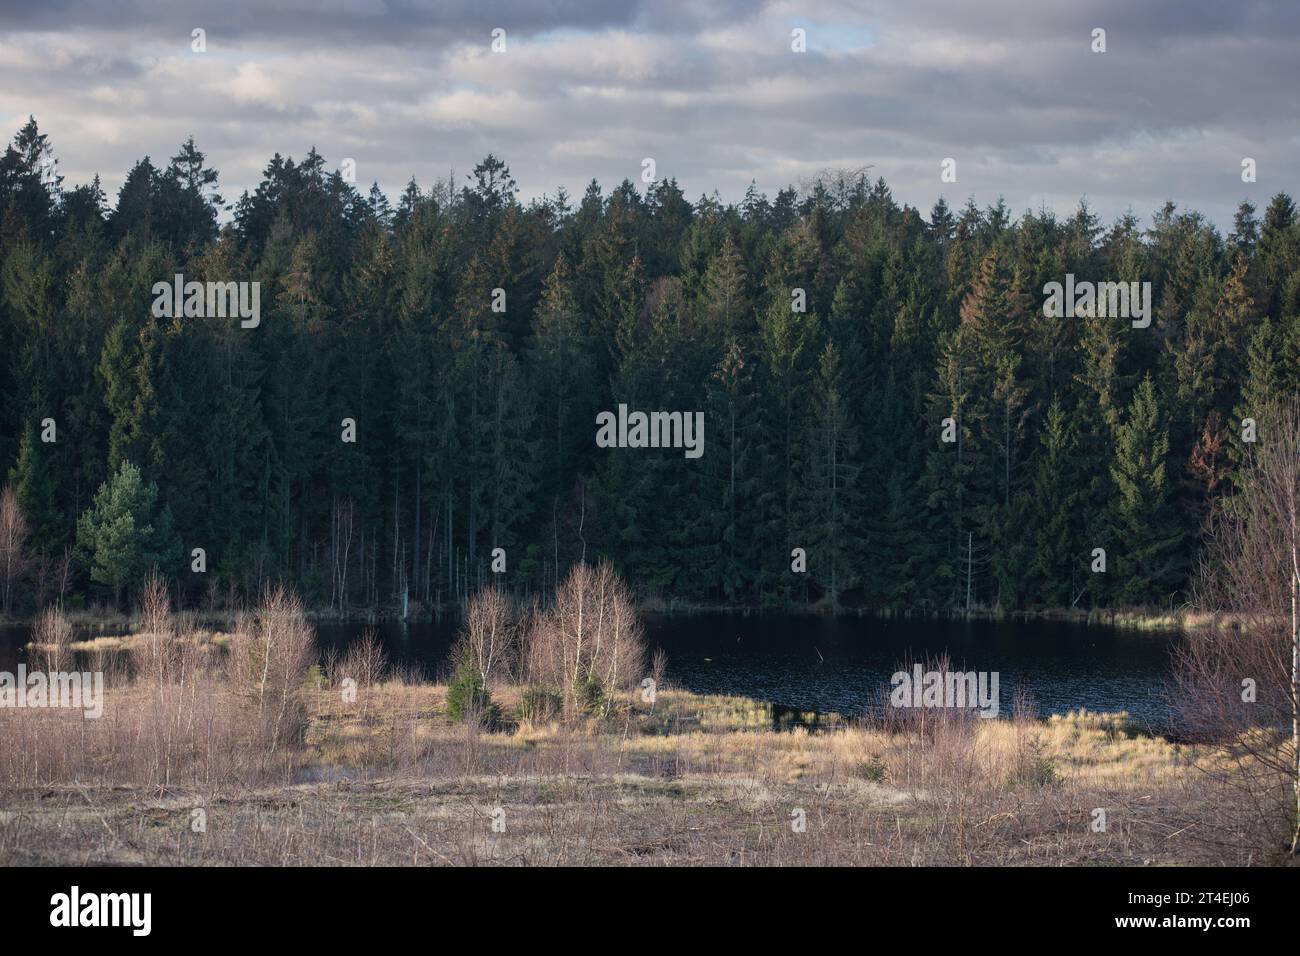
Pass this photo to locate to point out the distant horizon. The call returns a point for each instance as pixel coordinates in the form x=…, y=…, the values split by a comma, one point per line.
x=956, y=203
x=714, y=91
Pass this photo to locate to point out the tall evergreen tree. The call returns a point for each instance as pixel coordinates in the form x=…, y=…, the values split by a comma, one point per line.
x=1146, y=545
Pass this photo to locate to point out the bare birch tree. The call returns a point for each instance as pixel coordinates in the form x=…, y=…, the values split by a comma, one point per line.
x=1238, y=676
x=269, y=659
x=13, y=539
x=52, y=637
x=590, y=642
x=341, y=532
x=489, y=641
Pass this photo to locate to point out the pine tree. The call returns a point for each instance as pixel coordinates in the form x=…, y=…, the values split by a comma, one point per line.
x=1057, y=571
x=832, y=488
x=788, y=347
x=124, y=534
x=724, y=297
x=1146, y=542
x=475, y=425
x=36, y=493
x=190, y=201
x=735, y=456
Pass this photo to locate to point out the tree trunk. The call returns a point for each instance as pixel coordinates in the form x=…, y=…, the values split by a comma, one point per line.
x=1295, y=690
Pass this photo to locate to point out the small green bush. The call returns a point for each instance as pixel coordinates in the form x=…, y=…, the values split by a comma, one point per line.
x=1035, y=768
x=590, y=695
x=1042, y=772
x=467, y=695
x=874, y=770
x=537, y=704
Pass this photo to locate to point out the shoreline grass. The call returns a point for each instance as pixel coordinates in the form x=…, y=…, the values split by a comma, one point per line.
x=388, y=779
x=1129, y=618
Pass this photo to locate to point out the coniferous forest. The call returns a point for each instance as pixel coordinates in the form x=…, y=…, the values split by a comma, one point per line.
x=825, y=332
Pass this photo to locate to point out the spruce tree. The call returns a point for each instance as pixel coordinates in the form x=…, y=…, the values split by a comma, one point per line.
x=1146, y=541
x=125, y=534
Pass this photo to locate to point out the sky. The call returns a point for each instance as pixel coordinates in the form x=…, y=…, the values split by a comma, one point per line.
x=710, y=89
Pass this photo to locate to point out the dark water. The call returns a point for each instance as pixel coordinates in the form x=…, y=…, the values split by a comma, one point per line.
x=844, y=664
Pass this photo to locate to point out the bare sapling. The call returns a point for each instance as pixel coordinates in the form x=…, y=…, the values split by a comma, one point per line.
x=489, y=639
x=13, y=541
x=270, y=655
x=1238, y=676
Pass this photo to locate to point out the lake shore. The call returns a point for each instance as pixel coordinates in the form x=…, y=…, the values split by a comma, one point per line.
x=389, y=779
x=101, y=618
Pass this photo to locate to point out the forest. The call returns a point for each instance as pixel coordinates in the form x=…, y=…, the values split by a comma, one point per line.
x=893, y=421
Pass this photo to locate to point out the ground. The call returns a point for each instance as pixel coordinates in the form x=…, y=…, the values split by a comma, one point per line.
x=689, y=779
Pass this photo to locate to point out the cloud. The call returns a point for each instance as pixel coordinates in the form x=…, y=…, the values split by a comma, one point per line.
x=710, y=88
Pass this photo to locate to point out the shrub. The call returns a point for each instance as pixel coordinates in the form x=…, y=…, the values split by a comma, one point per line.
x=366, y=662
x=874, y=770
x=156, y=654
x=268, y=663
x=53, y=634
x=468, y=697
x=538, y=704
x=1033, y=766
x=589, y=695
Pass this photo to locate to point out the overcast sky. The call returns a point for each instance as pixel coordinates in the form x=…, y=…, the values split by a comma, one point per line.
x=709, y=88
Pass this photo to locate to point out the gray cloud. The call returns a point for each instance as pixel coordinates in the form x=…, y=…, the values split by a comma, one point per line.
x=711, y=90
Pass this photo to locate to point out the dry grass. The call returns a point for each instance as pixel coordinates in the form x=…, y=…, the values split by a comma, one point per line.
x=124, y=642
x=285, y=762
x=387, y=779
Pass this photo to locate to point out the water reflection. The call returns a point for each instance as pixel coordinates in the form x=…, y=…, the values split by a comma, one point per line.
x=812, y=665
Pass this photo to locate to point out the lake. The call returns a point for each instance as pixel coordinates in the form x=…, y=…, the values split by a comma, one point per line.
x=844, y=664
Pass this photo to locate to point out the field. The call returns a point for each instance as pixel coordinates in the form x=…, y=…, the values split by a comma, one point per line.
x=388, y=779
